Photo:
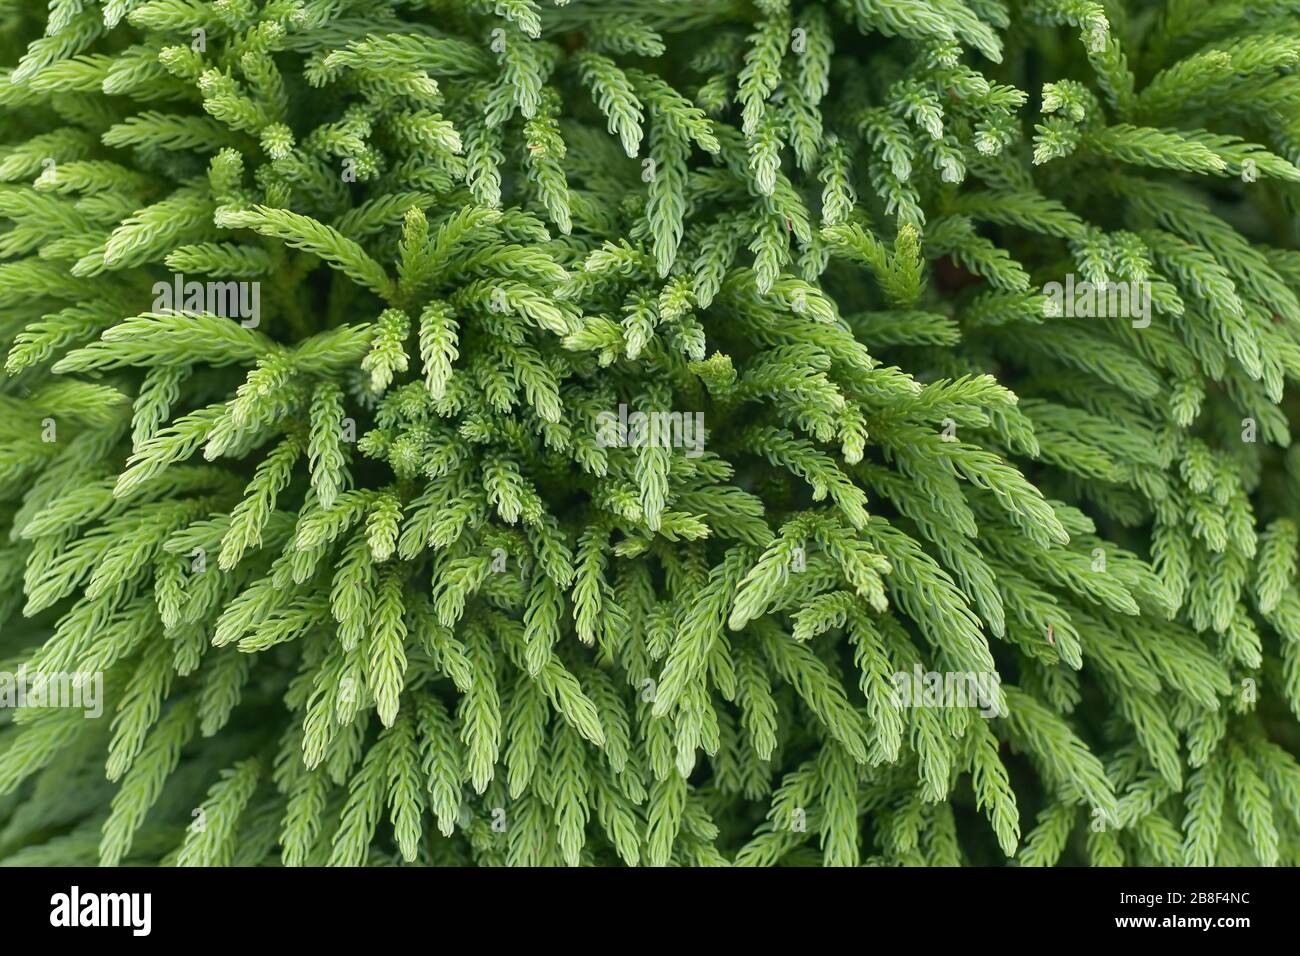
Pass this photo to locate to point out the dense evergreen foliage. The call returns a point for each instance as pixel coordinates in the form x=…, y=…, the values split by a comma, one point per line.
x=330, y=326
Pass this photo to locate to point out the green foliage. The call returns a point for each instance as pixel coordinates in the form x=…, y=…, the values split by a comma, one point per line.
x=580, y=423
